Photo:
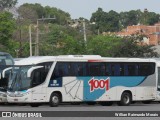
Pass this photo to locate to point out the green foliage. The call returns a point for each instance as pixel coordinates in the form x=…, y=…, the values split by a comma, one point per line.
x=106, y=22
x=56, y=37
x=130, y=18
x=38, y=8
x=112, y=46
x=129, y=48
x=60, y=42
x=49, y=12
x=113, y=21
x=7, y=25
x=150, y=18
x=27, y=15
x=103, y=45
x=7, y=4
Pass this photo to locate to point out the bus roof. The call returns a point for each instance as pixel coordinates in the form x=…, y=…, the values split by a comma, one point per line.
x=35, y=60
x=80, y=58
x=4, y=53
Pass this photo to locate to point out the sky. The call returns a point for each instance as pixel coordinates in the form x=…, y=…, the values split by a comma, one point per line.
x=85, y=8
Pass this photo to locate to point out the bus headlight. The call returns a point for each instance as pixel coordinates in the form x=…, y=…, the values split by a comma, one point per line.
x=19, y=94
x=3, y=95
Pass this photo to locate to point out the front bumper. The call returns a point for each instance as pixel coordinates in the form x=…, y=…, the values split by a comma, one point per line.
x=3, y=99
x=13, y=98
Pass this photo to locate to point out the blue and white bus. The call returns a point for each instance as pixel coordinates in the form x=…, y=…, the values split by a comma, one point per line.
x=6, y=61
x=86, y=78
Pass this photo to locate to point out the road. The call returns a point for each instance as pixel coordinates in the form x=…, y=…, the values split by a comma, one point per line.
x=84, y=107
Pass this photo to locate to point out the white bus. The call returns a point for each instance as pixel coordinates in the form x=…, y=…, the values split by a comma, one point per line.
x=86, y=78
x=6, y=61
x=158, y=80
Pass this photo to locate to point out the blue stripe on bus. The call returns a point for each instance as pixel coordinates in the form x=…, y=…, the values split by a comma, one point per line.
x=127, y=81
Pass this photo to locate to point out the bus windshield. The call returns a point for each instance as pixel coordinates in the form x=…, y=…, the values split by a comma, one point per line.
x=18, y=79
x=6, y=61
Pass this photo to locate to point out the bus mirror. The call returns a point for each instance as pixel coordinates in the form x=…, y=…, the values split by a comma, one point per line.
x=4, y=72
x=32, y=69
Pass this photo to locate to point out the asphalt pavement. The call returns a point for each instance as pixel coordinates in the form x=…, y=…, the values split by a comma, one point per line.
x=65, y=112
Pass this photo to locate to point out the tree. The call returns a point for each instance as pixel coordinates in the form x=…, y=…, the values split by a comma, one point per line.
x=131, y=47
x=130, y=18
x=60, y=42
x=7, y=4
x=150, y=18
x=103, y=45
x=106, y=22
x=7, y=26
x=112, y=46
x=27, y=15
x=49, y=12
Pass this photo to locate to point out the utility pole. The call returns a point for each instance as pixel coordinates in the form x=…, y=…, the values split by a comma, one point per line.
x=30, y=39
x=37, y=35
x=84, y=31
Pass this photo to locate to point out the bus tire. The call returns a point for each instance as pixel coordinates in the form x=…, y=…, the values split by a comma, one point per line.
x=54, y=100
x=109, y=103
x=126, y=99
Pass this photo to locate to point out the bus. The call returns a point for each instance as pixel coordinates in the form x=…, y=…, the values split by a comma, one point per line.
x=158, y=81
x=82, y=78
x=6, y=61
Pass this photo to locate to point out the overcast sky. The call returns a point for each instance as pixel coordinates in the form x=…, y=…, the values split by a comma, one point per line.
x=85, y=8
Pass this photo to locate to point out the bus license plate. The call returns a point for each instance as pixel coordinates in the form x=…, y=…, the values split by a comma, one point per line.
x=15, y=100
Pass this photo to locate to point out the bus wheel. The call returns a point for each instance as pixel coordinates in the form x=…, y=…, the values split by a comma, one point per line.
x=34, y=105
x=54, y=100
x=109, y=103
x=126, y=99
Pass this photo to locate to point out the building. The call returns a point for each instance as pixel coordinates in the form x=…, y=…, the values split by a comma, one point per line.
x=152, y=33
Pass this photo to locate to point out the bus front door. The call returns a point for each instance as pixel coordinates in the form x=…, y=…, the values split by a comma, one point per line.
x=158, y=86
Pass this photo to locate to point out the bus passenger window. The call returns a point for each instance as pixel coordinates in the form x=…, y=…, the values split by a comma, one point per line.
x=77, y=69
x=80, y=70
x=38, y=77
x=108, y=69
x=2, y=62
x=102, y=70
x=112, y=70
x=94, y=69
x=146, y=69
x=131, y=70
x=121, y=69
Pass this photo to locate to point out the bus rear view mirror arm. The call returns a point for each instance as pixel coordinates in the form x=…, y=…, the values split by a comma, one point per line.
x=31, y=70
x=4, y=71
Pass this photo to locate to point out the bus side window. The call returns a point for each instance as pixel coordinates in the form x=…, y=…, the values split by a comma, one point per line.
x=131, y=70
x=61, y=70
x=38, y=76
x=112, y=69
x=121, y=69
x=80, y=70
x=108, y=69
x=77, y=69
x=146, y=69
x=102, y=69
x=2, y=62
x=94, y=69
